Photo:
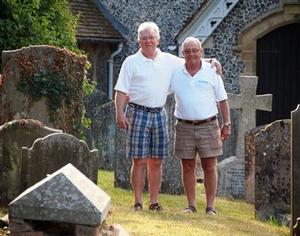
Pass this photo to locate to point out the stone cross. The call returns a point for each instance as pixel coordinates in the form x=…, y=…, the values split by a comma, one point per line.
x=248, y=102
x=295, y=165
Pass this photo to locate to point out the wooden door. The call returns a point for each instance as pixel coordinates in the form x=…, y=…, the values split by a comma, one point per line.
x=278, y=71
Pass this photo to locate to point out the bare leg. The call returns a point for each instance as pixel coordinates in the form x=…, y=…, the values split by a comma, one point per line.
x=138, y=178
x=209, y=166
x=154, y=178
x=189, y=179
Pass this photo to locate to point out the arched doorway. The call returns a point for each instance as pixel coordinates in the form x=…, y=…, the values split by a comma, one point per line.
x=278, y=70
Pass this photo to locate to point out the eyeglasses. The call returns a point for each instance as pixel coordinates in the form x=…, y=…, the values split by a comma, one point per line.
x=193, y=50
x=145, y=38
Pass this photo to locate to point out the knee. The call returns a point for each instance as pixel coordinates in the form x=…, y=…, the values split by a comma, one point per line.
x=139, y=163
x=209, y=168
x=154, y=163
x=188, y=166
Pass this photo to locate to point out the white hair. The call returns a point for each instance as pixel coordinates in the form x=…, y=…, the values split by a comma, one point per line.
x=191, y=39
x=148, y=26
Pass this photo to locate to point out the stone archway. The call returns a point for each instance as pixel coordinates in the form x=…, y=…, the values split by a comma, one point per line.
x=286, y=14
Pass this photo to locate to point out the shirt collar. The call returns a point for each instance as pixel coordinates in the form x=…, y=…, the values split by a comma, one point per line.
x=142, y=57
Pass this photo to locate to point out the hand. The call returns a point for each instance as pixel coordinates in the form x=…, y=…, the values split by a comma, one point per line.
x=121, y=120
x=215, y=63
x=225, y=132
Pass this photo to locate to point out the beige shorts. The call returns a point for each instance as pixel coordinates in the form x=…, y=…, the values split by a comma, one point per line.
x=204, y=139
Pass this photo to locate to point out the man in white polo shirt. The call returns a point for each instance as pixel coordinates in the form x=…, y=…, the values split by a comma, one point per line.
x=144, y=82
x=198, y=92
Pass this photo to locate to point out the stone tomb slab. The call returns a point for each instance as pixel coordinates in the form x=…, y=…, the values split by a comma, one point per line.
x=66, y=196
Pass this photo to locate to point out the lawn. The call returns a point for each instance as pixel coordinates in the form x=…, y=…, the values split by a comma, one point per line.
x=235, y=217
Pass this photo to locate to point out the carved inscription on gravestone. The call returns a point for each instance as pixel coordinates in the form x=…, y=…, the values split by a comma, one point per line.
x=231, y=178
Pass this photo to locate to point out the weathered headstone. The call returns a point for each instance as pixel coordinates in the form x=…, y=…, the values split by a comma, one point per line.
x=231, y=174
x=295, y=173
x=171, y=178
x=64, y=198
x=13, y=136
x=43, y=83
x=248, y=102
x=102, y=133
x=272, y=172
x=52, y=152
x=250, y=163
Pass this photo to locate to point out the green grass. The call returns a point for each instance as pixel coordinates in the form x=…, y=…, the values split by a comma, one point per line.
x=235, y=218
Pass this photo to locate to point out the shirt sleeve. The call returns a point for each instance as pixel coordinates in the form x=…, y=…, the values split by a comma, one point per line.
x=125, y=75
x=220, y=91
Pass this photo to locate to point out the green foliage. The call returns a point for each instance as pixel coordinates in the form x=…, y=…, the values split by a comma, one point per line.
x=52, y=86
x=36, y=22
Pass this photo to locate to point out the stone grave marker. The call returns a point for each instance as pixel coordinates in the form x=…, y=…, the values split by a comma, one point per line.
x=13, y=136
x=171, y=177
x=65, y=202
x=231, y=177
x=295, y=171
x=52, y=152
x=272, y=172
x=250, y=163
x=248, y=102
x=56, y=99
x=102, y=133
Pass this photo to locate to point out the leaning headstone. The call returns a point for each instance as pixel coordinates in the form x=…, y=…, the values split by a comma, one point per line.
x=43, y=83
x=13, y=136
x=250, y=163
x=52, y=152
x=65, y=202
x=231, y=176
x=248, y=102
x=295, y=173
x=171, y=178
x=272, y=172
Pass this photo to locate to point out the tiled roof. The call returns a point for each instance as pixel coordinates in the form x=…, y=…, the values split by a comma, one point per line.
x=92, y=24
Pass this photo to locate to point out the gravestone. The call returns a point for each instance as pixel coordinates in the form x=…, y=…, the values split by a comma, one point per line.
x=250, y=163
x=43, y=83
x=65, y=202
x=247, y=102
x=231, y=178
x=52, y=152
x=101, y=134
x=171, y=174
x=13, y=136
x=295, y=173
x=272, y=172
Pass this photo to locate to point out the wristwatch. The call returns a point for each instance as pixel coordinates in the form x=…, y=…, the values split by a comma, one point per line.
x=228, y=123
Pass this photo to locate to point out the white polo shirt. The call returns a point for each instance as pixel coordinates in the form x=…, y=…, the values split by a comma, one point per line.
x=147, y=81
x=197, y=96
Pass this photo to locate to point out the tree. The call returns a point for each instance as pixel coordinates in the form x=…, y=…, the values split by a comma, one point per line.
x=35, y=22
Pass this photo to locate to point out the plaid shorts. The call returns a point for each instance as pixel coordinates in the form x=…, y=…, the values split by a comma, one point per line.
x=204, y=139
x=147, y=135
